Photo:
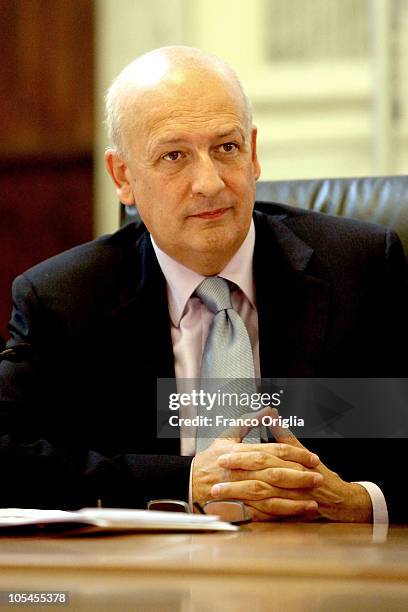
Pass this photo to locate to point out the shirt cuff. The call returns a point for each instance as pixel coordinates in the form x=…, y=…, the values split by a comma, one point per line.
x=380, y=511
x=190, y=487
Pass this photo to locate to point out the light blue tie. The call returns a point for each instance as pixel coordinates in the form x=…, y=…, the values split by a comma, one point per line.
x=227, y=355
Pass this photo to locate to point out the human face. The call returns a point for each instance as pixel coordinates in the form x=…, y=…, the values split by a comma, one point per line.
x=191, y=169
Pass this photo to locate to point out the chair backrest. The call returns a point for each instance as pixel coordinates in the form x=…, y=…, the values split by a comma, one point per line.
x=382, y=200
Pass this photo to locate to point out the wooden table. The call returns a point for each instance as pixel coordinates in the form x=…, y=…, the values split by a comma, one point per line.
x=281, y=566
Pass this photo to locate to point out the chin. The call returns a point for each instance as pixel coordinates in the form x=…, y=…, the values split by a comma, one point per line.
x=216, y=250
x=216, y=238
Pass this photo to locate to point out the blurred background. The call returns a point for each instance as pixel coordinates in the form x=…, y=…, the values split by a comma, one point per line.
x=327, y=78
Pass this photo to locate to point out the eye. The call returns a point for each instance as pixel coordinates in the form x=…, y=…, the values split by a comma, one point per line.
x=228, y=147
x=172, y=156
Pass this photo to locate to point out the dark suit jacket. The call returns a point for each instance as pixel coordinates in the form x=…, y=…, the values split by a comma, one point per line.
x=79, y=417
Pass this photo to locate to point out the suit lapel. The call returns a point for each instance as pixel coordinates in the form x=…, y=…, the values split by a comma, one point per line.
x=141, y=311
x=292, y=300
x=139, y=327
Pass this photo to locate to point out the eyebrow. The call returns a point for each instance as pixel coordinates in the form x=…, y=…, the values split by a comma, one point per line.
x=167, y=141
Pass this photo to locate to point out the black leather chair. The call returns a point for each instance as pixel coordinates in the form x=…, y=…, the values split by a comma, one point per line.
x=382, y=200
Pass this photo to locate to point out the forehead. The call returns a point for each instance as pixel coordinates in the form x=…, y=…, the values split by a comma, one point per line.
x=201, y=109
x=193, y=125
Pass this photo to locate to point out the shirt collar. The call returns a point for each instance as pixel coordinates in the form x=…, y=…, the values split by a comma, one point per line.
x=182, y=282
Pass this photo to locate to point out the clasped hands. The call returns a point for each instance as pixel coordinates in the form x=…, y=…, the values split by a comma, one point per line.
x=276, y=481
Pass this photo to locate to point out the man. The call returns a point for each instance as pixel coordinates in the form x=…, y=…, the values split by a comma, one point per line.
x=108, y=318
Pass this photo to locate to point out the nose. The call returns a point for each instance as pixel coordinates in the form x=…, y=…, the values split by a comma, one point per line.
x=206, y=180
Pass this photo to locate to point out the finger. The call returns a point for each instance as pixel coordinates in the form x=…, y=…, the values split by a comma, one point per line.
x=283, y=434
x=282, y=477
x=243, y=489
x=277, y=507
x=260, y=490
x=257, y=515
x=239, y=432
x=265, y=455
x=246, y=462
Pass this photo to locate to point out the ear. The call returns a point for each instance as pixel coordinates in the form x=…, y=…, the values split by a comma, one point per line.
x=120, y=175
x=255, y=163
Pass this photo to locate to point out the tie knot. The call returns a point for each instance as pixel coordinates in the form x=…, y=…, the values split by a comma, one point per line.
x=215, y=293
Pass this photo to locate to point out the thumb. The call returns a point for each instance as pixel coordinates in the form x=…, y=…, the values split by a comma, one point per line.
x=283, y=434
x=251, y=419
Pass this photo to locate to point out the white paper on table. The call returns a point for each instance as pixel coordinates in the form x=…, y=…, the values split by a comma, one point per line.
x=108, y=520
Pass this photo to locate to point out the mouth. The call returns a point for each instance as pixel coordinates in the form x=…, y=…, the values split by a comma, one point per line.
x=212, y=214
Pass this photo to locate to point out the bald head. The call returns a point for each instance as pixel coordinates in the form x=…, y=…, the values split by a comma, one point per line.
x=185, y=154
x=160, y=77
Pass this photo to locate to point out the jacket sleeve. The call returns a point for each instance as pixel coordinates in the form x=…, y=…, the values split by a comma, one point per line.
x=39, y=469
x=42, y=475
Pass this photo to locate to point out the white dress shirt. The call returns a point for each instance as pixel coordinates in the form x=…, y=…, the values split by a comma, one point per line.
x=191, y=320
